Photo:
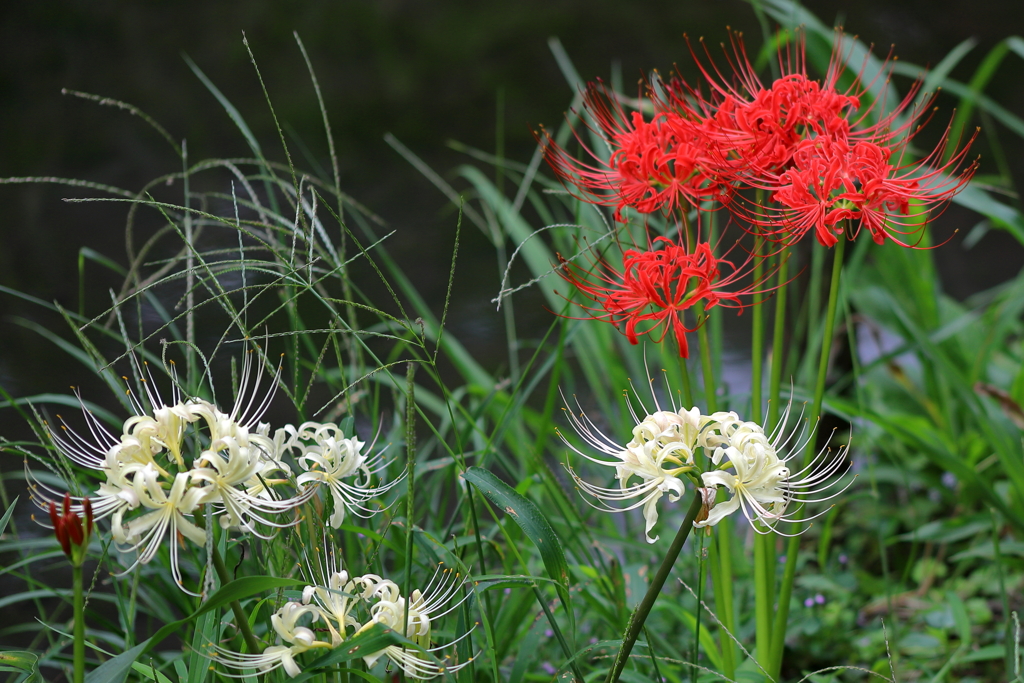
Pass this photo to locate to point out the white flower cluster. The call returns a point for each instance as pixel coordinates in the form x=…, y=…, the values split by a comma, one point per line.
x=331, y=601
x=747, y=464
x=152, y=491
x=744, y=461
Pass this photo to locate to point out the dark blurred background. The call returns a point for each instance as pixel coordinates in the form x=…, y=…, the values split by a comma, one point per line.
x=425, y=71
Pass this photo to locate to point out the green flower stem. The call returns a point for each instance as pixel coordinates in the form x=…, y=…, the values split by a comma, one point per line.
x=79, y=630
x=793, y=546
x=722, y=583
x=684, y=374
x=764, y=590
x=721, y=569
x=410, y=454
x=639, y=616
x=764, y=544
x=707, y=371
x=829, y=331
x=778, y=343
x=757, y=339
x=241, y=621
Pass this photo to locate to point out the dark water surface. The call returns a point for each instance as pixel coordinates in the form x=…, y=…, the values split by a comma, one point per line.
x=425, y=71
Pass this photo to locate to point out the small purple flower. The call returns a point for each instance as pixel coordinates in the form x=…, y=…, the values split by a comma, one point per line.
x=820, y=599
x=809, y=602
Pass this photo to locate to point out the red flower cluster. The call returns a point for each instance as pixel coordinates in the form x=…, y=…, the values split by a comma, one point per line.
x=823, y=162
x=656, y=287
x=666, y=163
x=72, y=532
x=808, y=144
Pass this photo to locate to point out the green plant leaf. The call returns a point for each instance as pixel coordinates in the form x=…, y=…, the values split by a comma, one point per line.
x=530, y=519
x=236, y=590
x=20, y=661
x=373, y=639
x=116, y=670
x=7, y=515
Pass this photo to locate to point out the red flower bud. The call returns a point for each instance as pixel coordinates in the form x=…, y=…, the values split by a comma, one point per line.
x=54, y=517
x=71, y=530
x=73, y=527
x=87, y=507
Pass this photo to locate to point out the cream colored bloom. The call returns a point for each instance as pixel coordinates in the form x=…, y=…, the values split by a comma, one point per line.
x=413, y=618
x=333, y=591
x=151, y=492
x=337, y=461
x=659, y=454
x=748, y=466
x=299, y=639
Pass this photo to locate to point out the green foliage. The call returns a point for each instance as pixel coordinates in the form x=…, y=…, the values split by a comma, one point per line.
x=253, y=254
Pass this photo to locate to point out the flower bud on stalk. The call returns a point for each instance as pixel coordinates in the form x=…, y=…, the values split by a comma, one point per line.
x=72, y=533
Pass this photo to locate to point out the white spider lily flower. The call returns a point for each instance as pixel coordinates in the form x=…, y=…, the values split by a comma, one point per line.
x=228, y=474
x=168, y=510
x=150, y=494
x=337, y=461
x=114, y=497
x=661, y=451
x=760, y=483
x=413, y=618
x=285, y=623
x=333, y=591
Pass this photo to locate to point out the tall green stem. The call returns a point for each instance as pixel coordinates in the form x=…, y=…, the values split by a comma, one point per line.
x=241, y=621
x=764, y=544
x=757, y=339
x=684, y=374
x=79, y=630
x=721, y=562
x=639, y=616
x=707, y=370
x=778, y=343
x=793, y=546
x=410, y=453
x=828, y=332
x=722, y=583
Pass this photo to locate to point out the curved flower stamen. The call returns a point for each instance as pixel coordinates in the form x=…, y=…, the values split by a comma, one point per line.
x=413, y=618
x=329, y=457
x=760, y=483
x=656, y=287
x=660, y=452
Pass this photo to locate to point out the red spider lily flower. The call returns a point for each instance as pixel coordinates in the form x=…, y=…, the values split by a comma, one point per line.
x=756, y=128
x=70, y=529
x=656, y=287
x=833, y=185
x=661, y=164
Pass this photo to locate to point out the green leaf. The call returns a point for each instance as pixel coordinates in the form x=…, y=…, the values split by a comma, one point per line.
x=20, y=661
x=150, y=672
x=228, y=107
x=373, y=639
x=3, y=523
x=1003, y=215
x=116, y=670
x=492, y=581
x=530, y=519
x=205, y=631
x=235, y=590
x=987, y=551
x=963, y=622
